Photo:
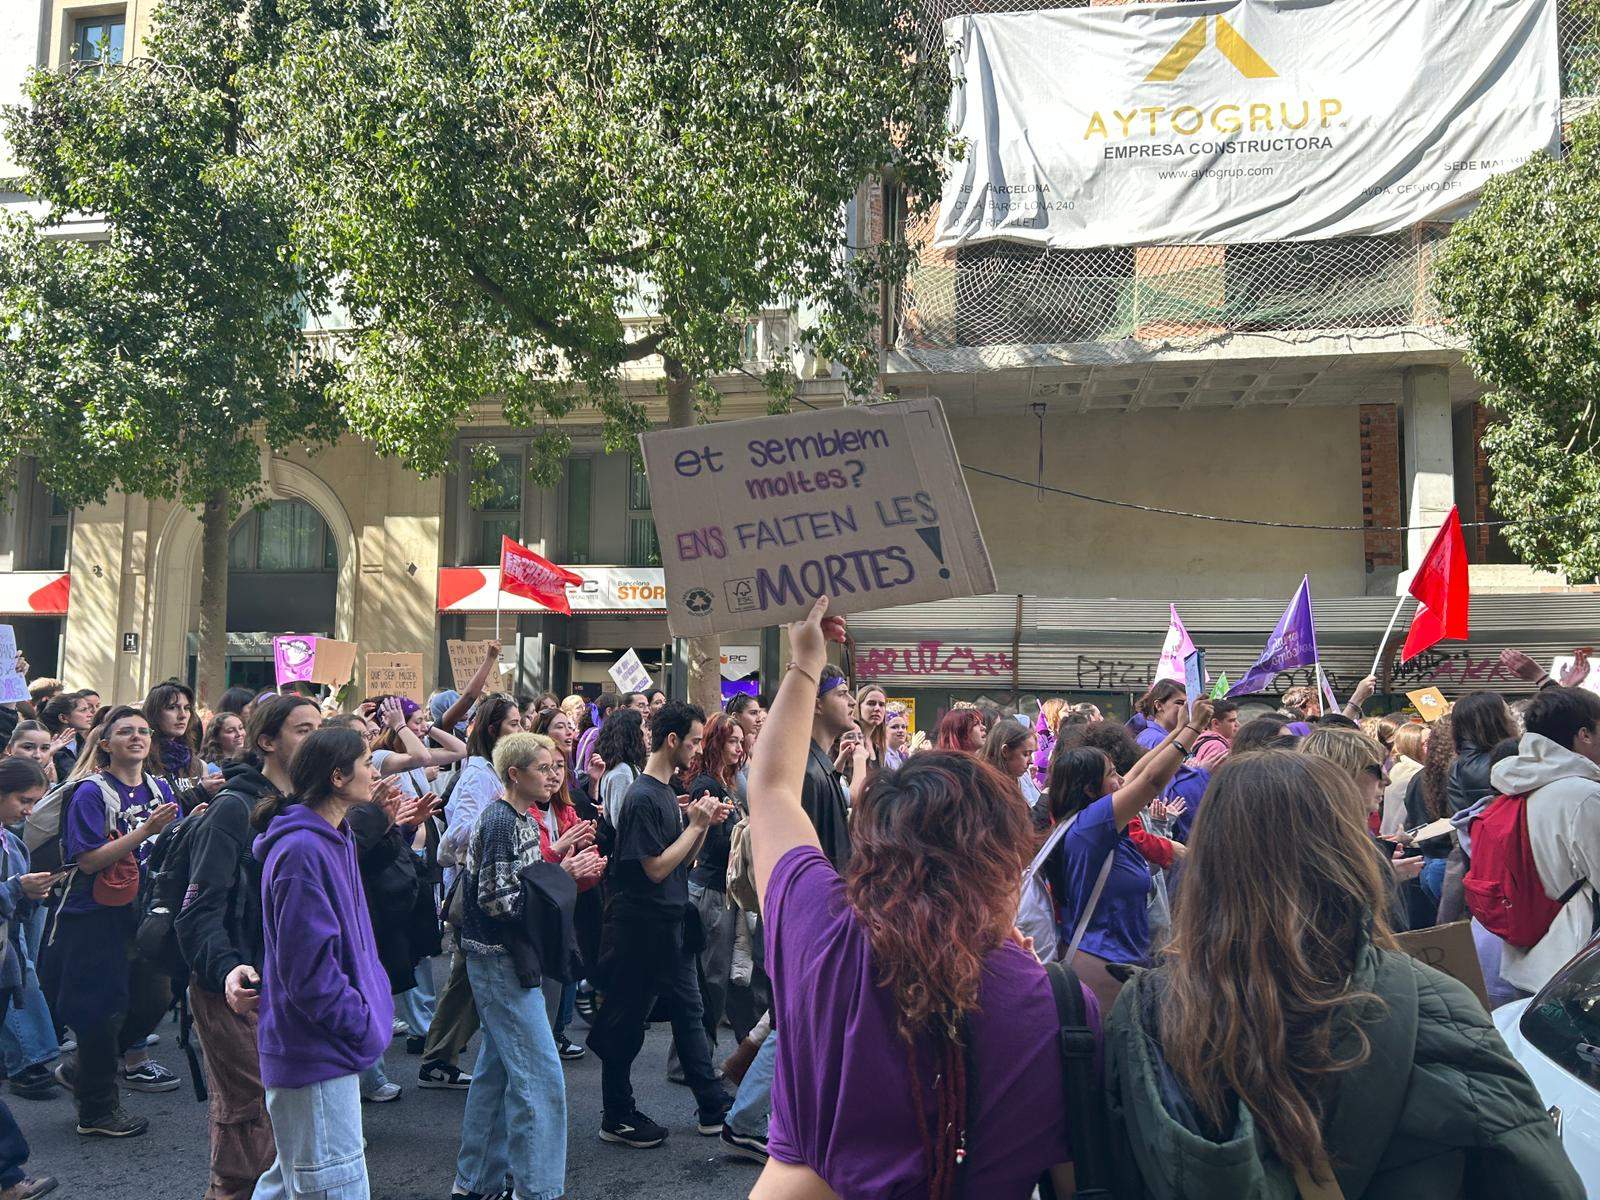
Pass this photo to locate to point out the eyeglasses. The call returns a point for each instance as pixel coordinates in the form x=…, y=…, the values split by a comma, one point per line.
x=550, y=769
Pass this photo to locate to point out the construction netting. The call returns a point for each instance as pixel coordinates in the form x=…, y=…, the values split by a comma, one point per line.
x=1001, y=293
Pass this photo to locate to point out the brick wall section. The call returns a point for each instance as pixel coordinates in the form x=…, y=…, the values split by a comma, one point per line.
x=1380, y=485
x=1478, y=539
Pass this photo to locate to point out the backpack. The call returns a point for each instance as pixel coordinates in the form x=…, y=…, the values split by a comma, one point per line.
x=1086, y=1099
x=166, y=884
x=1502, y=886
x=741, y=878
x=1036, y=911
x=41, y=832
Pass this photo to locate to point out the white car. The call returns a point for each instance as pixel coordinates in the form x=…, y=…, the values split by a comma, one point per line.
x=1556, y=1038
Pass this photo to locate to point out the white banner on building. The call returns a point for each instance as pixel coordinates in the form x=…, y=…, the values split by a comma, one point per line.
x=1241, y=120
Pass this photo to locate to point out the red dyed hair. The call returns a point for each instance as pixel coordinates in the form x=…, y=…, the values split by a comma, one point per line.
x=938, y=851
x=714, y=759
x=955, y=729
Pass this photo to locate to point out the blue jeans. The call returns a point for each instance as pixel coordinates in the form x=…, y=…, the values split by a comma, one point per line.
x=515, y=1121
x=28, y=1037
x=13, y=1150
x=414, y=1007
x=321, y=1153
x=372, y=1079
x=1432, y=878
x=753, y=1104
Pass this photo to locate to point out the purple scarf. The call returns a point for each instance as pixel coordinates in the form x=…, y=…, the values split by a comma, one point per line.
x=175, y=756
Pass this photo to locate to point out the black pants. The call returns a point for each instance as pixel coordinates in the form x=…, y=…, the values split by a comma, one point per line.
x=102, y=1044
x=642, y=961
x=13, y=1150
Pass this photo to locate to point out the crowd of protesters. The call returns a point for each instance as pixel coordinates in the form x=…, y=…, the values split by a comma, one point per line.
x=831, y=909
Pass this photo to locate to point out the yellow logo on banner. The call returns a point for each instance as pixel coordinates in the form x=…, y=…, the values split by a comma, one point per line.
x=1233, y=46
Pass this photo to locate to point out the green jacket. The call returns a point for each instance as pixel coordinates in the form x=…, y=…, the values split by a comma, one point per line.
x=1439, y=1110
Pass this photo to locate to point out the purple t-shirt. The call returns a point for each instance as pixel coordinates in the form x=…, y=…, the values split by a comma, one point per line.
x=1119, y=931
x=841, y=1100
x=83, y=827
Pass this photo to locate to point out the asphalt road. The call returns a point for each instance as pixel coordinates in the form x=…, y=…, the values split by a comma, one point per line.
x=412, y=1142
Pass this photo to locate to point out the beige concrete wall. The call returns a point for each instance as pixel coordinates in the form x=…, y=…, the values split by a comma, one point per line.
x=1299, y=464
x=135, y=566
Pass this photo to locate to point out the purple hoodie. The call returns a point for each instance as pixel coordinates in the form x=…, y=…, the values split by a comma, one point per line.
x=326, y=1011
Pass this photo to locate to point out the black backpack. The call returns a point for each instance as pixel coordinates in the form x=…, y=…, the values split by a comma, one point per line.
x=166, y=882
x=1086, y=1105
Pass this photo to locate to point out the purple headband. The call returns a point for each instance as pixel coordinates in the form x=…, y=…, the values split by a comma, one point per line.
x=831, y=684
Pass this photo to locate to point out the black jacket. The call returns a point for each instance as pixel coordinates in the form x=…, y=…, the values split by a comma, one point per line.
x=219, y=926
x=823, y=798
x=1469, y=779
x=400, y=900
x=542, y=943
x=64, y=759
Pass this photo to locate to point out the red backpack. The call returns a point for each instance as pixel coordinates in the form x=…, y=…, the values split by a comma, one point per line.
x=1503, y=888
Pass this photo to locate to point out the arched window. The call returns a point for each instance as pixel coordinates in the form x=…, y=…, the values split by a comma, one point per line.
x=286, y=535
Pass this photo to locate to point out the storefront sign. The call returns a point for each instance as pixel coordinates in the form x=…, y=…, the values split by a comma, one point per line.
x=739, y=662
x=865, y=504
x=1249, y=121
x=34, y=593
x=604, y=590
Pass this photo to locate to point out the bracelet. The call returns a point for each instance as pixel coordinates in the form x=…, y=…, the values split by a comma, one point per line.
x=794, y=666
x=1544, y=681
x=1187, y=750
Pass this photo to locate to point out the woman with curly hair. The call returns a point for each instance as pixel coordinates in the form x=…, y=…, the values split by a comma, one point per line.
x=917, y=1049
x=1285, y=1043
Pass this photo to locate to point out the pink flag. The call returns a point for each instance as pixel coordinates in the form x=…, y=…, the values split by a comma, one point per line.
x=1175, y=649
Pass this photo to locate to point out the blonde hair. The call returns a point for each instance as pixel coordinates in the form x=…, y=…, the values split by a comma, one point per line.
x=1409, y=742
x=1348, y=749
x=518, y=750
x=1051, y=711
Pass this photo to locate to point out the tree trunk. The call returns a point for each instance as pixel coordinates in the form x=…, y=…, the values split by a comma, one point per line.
x=210, y=673
x=705, y=652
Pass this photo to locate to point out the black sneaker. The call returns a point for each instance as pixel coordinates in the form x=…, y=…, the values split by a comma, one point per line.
x=149, y=1076
x=743, y=1145
x=568, y=1050
x=710, y=1120
x=118, y=1123
x=587, y=1002
x=443, y=1075
x=635, y=1130
x=34, y=1083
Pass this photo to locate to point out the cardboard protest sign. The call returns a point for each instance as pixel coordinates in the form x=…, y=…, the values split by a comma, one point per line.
x=305, y=658
x=466, y=658
x=395, y=675
x=1448, y=948
x=13, y=687
x=1432, y=829
x=908, y=703
x=1430, y=702
x=629, y=674
x=758, y=518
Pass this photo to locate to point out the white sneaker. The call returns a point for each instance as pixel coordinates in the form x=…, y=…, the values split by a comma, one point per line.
x=388, y=1092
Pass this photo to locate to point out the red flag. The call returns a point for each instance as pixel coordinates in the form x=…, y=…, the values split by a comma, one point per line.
x=1440, y=586
x=524, y=573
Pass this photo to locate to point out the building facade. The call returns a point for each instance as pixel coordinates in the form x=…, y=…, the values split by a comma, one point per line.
x=1297, y=384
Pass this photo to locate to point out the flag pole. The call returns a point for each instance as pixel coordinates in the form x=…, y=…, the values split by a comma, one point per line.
x=497, y=591
x=1395, y=616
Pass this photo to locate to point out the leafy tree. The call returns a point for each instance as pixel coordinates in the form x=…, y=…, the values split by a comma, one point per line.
x=159, y=359
x=1520, y=277
x=497, y=184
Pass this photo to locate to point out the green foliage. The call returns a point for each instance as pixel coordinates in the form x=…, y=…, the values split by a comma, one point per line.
x=155, y=359
x=498, y=184
x=1520, y=277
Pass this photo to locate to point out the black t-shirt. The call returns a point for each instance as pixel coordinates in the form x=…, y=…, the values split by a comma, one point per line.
x=650, y=822
x=711, y=868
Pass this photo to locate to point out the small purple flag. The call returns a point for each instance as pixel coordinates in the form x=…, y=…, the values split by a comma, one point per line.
x=1293, y=644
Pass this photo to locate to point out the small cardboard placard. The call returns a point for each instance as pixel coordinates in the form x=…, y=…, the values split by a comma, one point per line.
x=1430, y=702
x=1448, y=948
x=306, y=658
x=13, y=687
x=1563, y=663
x=629, y=674
x=465, y=659
x=1194, y=676
x=864, y=503
x=395, y=675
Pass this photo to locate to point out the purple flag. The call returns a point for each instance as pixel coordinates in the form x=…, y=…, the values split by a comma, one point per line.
x=1293, y=644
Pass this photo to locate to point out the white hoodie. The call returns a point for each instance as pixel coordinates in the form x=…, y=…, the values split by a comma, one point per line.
x=1564, y=827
